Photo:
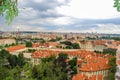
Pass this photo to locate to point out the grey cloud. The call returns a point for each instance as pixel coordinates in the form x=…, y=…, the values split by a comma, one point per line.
x=44, y=5
x=101, y=21
x=40, y=16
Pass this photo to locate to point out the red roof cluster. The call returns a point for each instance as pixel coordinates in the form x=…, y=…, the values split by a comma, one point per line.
x=81, y=53
x=15, y=48
x=88, y=61
x=85, y=77
x=44, y=53
x=94, y=67
x=93, y=63
x=78, y=53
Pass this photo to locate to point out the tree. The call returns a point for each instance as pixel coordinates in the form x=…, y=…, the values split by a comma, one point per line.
x=52, y=40
x=4, y=54
x=51, y=58
x=31, y=50
x=29, y=44
x=20, y=60
x=12, y=60
x=15, y=73
x=112, y=63
x=117, y=5
x=6, y=45
x=58, y=38
x=73, y=65
x=109, y=51
x=42, y=40
x=3, y=73
x=66, y=43
x=68, y=47
x=1, y=46
x=62, y=56
x=75, y=46
x=49, y=69
x=8, y=8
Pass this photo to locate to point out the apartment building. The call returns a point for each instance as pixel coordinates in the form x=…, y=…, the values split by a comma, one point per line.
x=7, y=41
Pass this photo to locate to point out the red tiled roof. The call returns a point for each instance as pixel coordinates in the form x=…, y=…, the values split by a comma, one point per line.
x=85, y=77
x=92, y=62
x=15, y=48
x=94, y=67
x=79, y=77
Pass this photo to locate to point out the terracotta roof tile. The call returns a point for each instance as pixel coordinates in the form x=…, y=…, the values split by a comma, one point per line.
x=15, y=48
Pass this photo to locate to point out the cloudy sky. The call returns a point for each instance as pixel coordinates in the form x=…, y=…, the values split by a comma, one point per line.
x=65, y=16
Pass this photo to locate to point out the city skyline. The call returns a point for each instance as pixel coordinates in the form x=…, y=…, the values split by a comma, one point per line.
x=65, y=16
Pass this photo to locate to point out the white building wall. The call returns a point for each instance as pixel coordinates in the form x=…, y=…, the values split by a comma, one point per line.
x=117, y=77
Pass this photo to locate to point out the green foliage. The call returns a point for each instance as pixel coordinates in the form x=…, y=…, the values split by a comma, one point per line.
x=31, y=50
x=58, y=38
x=109, y=51
x=75, y=46
x=99, y=52
x=89, y=38
x=4, y=57
x=66, y=42
x=112, y=63
x=12, y=60
x=16, y=61
x=114, y=38
x=42, y=40
x=11, y=71
x=49, y=69
x=52, y=40
x=4, y=54
x=1, y=47
x=59, y=47
x=9, y=9
x=51, y=58
x=68, y=47
x=28, y=44
x=20, y=60
x=15, y=73
x=3, y=73
x=117, y=5
x=75, y=70
x=61, y=60
x=6, y=45
x=73, y=65
x=63, y=56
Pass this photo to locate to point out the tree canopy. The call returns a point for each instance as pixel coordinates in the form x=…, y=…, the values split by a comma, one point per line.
x=28, y=44
x=117, y=5
x=8, y=8
x=112, y=63
x=51, y=69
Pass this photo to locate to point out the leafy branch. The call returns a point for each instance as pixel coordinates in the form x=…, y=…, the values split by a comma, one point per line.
x=117, y=5
x=8, y=8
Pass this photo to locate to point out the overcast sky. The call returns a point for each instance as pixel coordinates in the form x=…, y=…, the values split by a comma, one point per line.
x=65, y=16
